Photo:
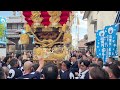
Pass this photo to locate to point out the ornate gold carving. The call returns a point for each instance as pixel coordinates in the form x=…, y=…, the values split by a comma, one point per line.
x=27, y=27
x=64, y=27
x=36, y=19
x=43, y=42
x=55, y=18
x=24, y=39
x=48, y=55
x=46, y=29
x=67, y=39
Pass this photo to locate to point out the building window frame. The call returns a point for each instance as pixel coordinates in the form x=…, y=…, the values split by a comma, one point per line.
x=10, y=26
x=14, y=24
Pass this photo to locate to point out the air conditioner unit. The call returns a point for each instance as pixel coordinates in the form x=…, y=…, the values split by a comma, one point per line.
x=93, y=19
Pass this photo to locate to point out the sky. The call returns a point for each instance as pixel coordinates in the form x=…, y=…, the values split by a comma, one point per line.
x=82, y=27
x=82, y=30
x=6, y=13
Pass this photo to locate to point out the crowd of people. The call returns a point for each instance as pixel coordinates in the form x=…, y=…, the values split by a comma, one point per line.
x=81, y=65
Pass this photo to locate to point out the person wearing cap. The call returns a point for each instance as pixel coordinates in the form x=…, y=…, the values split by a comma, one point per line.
x=65, y=72
x=84, y=67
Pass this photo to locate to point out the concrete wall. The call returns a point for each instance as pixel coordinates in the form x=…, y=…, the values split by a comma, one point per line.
x=90, y=27
x=104, y=18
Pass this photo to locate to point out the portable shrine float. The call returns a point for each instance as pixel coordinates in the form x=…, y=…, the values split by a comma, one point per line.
x=51, y=33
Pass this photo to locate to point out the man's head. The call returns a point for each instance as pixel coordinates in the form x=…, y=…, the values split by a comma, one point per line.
x=28, y=67
x=14, y=63
x=18, y=56
x=100, y=62
x=84, y=64
x=98, y=73
x=110, y=60
x=113, y=71
x=94, y=60
x=7, y=59
x=117, y=63
x=73, y=59
x=93, y=65
x=50, y=71
x=65, y=65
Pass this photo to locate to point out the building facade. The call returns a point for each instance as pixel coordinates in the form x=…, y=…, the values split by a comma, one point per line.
x=14, y=26
x=97, y=20
x=81, y=45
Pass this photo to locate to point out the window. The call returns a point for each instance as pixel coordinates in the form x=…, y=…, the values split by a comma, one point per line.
x=20, y=25
x=95, y=26
x=9, y=26
x=14, y=26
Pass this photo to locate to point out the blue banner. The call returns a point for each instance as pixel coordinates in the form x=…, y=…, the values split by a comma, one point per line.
x=106, y=42
x=111, y=41
x=100, y=44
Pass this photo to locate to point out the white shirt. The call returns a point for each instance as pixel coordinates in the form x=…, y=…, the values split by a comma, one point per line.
x=82, y=74
x=79, y=72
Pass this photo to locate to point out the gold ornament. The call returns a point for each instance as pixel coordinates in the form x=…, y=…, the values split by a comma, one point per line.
x=35, y=17
x=43, y=42
x=24, y=39
x=64, y=27
x=55, y=18
x=67, y=39
x=27, y=28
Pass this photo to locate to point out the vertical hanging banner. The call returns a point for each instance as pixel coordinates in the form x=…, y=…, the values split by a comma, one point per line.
x=111, y=41
x=100, y=44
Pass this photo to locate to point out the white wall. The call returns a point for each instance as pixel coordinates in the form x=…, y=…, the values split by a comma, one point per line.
x=104, y=18
x=90, y=27
x=118, y=45
x=2, y=52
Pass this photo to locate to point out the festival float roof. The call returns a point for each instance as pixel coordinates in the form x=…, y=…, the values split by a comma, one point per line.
x=46, y=17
